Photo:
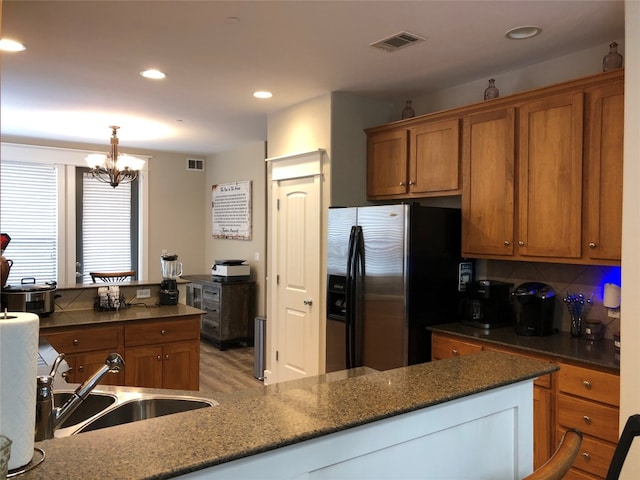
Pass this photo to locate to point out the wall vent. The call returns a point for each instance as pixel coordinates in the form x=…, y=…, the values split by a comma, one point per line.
x=397, y=41
x=195, y=164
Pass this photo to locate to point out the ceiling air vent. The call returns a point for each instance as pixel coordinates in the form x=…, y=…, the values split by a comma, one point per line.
x=195, y=164
x=397, y=41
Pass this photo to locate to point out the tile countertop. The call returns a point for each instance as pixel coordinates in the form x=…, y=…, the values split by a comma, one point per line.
x=264, y=418
x=561, y=345
x=92, y=317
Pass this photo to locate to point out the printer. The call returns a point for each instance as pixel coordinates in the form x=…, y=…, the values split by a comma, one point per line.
x=230, y=271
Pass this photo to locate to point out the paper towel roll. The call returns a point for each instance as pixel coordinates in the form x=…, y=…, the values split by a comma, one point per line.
x=18, y=370
x=611, y=297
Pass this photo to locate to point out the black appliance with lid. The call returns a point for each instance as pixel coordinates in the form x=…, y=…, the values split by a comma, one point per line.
x=534, y=304
x=487, y=304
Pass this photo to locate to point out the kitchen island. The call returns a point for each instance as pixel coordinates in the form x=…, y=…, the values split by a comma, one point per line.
x=429, y=418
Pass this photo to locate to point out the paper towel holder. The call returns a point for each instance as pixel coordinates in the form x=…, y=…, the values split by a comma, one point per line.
x=611, y=299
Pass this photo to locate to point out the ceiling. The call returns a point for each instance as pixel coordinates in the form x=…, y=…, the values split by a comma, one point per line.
x=80, y=71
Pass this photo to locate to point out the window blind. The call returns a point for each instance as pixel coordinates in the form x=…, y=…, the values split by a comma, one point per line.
x=106, y=227
x=28, y=214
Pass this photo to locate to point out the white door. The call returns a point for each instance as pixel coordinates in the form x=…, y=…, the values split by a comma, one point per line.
x=297, y=285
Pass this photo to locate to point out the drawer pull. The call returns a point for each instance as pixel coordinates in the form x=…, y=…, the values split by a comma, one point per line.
x=454, y=351
x=592, y=245
x=76, y=341
x=586, y=456
x=587, y=384
x=163, y=332
x=586, y=420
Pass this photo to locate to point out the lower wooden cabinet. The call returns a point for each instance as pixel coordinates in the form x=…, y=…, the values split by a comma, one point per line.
x=158, y=353
x=574, y=397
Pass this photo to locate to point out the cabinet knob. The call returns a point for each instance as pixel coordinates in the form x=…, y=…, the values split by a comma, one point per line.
x=159, y=358
x=521, y=243
x=166, y=357
x=163, y=332
x=507, y=243
x=586, y=420
x=308, y=301
x=411, y=183
x=586, y=456
x=402, y=184
x=454, y=351
x=81, y=368
x=592, y=245
x=76, y=341
x=587, y=384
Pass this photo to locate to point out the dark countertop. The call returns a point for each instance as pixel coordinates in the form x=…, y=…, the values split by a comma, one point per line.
x=560, y=345
x=73, y=318
x=265, y=418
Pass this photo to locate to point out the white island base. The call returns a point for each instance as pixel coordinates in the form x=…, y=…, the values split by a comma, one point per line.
x=488, y=435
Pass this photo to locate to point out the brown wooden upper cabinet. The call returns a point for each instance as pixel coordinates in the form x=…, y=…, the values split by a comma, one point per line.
x=542, y=179
x=415, y=161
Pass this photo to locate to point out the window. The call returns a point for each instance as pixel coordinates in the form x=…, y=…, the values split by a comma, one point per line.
x=58, y=220
x=29, y=215
x=106, y=226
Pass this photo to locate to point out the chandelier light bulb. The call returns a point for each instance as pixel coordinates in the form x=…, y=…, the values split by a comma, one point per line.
x=114, y=168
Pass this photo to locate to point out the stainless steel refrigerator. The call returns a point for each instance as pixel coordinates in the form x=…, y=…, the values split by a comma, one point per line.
x=392, y=270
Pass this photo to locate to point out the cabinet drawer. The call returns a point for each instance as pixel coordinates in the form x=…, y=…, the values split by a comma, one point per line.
x=211, y=293
x=213, y=311
x=445, y=347
x=575, y=474
x=591, y=418
x=593, y=385
x=162, y=332
x=85, y=340
x=594, y=457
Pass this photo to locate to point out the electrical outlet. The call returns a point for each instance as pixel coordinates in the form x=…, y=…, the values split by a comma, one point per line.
x=256, y=256
x=143, y=293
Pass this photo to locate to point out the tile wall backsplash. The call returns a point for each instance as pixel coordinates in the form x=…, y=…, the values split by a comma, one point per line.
x=564, y=278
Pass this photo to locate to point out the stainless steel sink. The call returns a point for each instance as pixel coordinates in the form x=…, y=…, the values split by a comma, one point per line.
x=143, y=409
x=124, y=405
x=91, y=406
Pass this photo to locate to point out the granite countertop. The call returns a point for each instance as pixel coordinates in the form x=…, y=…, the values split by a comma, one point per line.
x=73, y=318
x=560, y=345
x=264, y=418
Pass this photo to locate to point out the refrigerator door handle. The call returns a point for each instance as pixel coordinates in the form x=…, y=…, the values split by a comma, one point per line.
x=357, y=312
x=349, y=293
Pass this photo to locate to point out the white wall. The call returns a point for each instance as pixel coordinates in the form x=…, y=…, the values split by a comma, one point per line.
x=630, y=308
x=244, y=163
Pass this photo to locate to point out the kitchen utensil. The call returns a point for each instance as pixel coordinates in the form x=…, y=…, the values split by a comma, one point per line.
x=5, y=266
x=4, y=241
x=29, y=297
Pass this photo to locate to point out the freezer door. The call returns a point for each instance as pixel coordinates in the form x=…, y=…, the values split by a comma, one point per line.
x=340, y=222
x=384, y=308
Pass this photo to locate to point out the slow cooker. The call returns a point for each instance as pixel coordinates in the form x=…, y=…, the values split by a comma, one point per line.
x=29, y=297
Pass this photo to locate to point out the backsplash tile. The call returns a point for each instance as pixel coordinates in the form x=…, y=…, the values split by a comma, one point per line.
x=585, y=279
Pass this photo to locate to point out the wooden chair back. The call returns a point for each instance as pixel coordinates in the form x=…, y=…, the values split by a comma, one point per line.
x=112, y=277
x=560, y=462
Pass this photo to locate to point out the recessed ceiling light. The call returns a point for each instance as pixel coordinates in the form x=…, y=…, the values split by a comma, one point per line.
x=231, y=20
x=154, y=74
x=262, y=94
x=524, y=32
x=7, y=45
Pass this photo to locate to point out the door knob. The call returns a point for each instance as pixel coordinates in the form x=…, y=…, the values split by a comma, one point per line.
x=308, y=301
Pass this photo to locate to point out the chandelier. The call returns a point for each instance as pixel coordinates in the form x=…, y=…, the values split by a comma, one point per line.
x=114, y=168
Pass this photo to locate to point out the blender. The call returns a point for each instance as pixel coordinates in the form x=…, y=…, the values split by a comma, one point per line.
x=171, y=271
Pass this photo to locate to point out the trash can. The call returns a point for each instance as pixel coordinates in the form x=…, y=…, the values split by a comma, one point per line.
x=259, y=344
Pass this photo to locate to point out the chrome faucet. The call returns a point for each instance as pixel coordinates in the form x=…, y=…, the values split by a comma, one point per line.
x=49, y=417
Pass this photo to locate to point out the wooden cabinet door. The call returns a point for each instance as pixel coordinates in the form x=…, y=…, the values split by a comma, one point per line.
x=434, y=158
x=447, y=347
x=488, y=192
x=180, y=366
x=542, y=425
x=550, y=177
x=603, y=172
x=387, y=163
x=144, y=367
x=86, y=364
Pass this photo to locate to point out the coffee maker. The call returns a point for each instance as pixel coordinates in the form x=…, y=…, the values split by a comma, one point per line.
x=171, y=271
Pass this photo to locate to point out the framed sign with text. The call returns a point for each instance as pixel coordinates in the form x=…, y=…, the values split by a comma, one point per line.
x=231, y=210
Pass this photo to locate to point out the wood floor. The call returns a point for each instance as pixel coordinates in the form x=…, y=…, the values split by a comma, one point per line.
x=228, y=370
